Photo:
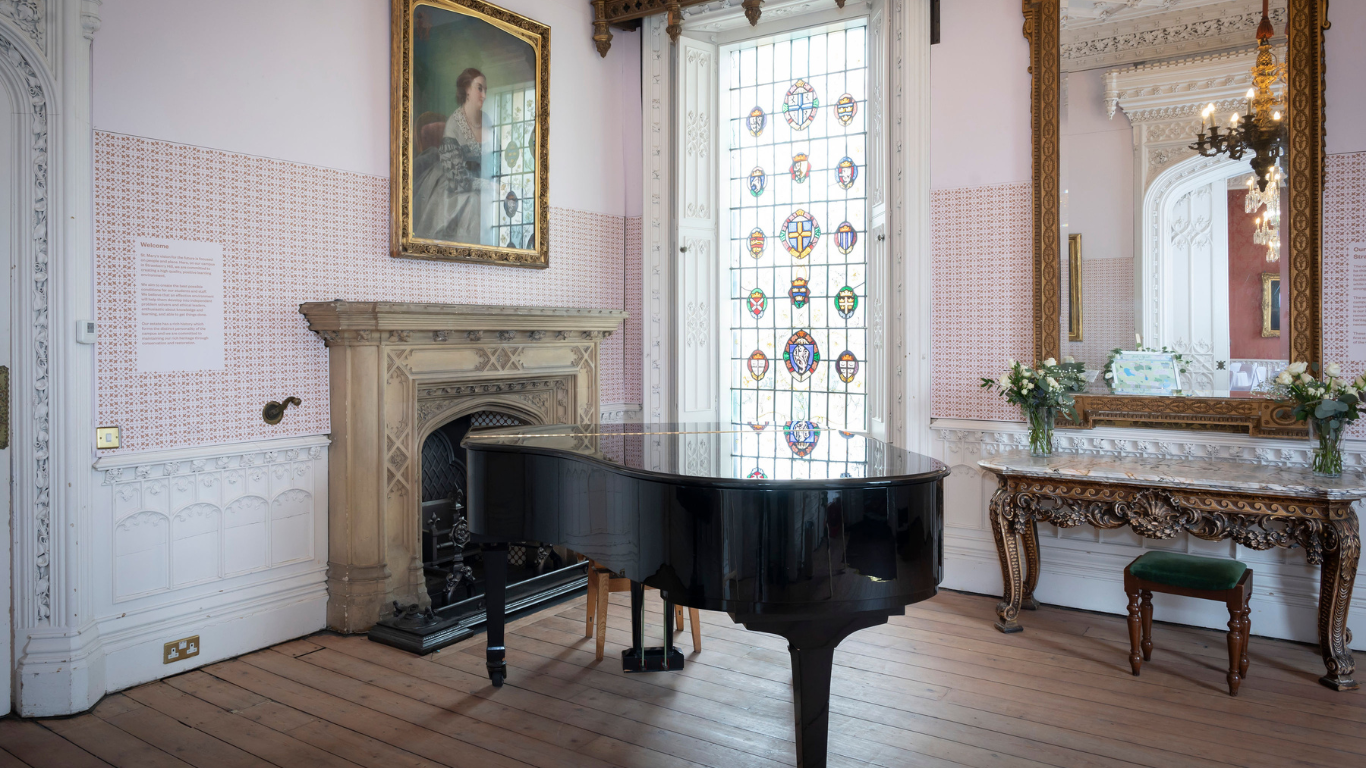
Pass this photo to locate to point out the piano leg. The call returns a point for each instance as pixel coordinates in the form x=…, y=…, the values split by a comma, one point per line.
x=638, y=658
x=811, y=644
x=495, y=602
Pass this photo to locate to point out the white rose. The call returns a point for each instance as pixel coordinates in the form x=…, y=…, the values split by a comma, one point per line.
x=1050, y=362
x=1069, y=359
x=1333, y=370
x=1284, y=379
x=1052, y=383
x=1010, y=362
x=1306, y=378
x=1297, y=368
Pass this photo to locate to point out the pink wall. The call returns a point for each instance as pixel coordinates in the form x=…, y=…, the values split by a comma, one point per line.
x=1246, y=263
x=980, y=129
x=264, y=126
x=979, y=96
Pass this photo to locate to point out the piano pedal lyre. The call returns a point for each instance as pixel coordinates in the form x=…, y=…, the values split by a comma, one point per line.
x=601, y=583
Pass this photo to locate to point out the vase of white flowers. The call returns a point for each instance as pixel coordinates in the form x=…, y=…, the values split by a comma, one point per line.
x=1328, y=405
x=1042, y=392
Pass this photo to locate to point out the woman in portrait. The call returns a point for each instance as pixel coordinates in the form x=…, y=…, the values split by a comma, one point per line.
x=451, y=188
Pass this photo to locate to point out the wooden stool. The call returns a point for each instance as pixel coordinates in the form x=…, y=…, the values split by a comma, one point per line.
x=602, y=583
x=1208, y=578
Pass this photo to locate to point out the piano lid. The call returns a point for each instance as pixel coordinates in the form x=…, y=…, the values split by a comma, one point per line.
x=755, y=453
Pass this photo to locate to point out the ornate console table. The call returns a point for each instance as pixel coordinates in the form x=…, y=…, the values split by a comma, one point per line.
x=1259, y=507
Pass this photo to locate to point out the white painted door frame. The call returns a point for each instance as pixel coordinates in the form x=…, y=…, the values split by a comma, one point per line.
x=45, y=69
x=8, y=181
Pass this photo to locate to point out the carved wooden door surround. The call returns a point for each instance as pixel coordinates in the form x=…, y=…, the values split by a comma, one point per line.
x=1326, y=529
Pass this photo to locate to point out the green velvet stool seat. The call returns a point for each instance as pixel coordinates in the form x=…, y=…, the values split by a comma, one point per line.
x=1208, y=578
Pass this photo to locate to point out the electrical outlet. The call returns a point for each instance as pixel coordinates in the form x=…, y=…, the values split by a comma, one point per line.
x=180, y=650
x=106, y=437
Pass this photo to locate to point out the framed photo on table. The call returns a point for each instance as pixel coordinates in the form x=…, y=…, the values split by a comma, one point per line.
x=469, y=133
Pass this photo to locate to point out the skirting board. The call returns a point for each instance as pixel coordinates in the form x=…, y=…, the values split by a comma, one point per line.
x=223, y=633
x=1083, y=567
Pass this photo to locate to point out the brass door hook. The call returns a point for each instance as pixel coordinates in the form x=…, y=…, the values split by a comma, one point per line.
x=274, y=411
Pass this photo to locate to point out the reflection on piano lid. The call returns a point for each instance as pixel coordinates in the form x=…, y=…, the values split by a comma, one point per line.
x=750, y=455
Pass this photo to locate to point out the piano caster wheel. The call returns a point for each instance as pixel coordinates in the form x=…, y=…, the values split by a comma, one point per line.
x=497, y=679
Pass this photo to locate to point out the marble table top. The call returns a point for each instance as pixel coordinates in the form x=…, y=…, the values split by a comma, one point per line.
x=1204, y=474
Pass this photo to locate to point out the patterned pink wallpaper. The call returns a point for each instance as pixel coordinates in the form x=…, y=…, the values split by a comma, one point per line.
x=983, y=305
x=293, y=233
x=1344, y=223
x=634, y=337
x=1107, y=302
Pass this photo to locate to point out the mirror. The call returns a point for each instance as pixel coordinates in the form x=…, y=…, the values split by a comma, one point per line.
x=1173, y=215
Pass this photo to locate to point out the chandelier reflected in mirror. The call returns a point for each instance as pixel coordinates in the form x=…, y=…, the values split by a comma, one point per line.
x=1262, y=130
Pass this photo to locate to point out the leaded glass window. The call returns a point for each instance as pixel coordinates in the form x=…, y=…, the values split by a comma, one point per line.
x=795, y=109
x=514, y=147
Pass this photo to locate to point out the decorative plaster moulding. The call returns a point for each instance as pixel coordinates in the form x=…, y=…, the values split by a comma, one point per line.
x=1181, y=88
x=1186, y=30
x=337, y=317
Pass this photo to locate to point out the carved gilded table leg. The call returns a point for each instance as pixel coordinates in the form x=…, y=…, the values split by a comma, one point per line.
x=1335, y=596
x=1030, y=539
x=1008, y=549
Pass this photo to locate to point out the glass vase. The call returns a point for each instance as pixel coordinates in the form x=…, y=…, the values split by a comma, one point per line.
x=1041, y=430
x=1326, y=434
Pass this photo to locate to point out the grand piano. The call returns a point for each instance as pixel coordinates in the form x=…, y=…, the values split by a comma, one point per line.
x=804, y=541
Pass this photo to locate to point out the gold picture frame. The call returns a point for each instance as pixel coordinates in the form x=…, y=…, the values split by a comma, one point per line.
x=1074, y=287
x=1305, y=86
x=1271, y=305
x=461, y=192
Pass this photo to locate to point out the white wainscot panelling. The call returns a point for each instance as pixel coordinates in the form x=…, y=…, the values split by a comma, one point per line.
x=228, y=542
x=1084, y=567
x=184, y=522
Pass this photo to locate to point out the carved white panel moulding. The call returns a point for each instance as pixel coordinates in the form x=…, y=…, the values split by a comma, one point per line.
x=658, y=232
x=1191, y=27
x=187, y=517
x=697, y=103
x=33, y=389
x=28, y=16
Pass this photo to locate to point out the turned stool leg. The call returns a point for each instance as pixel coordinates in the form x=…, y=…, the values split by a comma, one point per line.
x=1247, y=629
x=604, y=591
x=592, y=600
x=1235, y=645
x=1135, y=658
x=1147, y=611
x=696, y=629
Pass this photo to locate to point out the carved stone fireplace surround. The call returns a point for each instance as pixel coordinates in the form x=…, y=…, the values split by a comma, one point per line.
x=397, y=372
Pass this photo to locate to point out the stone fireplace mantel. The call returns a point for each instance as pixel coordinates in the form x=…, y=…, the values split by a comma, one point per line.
x=397, y=372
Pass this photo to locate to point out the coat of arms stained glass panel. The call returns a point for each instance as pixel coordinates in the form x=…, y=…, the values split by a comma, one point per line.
x=805, y=95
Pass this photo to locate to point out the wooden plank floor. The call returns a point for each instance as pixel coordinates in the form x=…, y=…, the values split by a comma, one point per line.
x=938, y=687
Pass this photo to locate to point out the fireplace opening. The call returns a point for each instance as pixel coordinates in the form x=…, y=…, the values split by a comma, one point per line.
x=452, y=565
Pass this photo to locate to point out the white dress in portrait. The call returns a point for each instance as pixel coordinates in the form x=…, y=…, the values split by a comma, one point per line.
x=454, y=192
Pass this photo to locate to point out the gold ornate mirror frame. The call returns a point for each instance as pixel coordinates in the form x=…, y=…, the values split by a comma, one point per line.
x=1306, y=22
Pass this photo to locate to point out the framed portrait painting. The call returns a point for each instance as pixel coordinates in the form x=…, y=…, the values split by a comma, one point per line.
x=470, y=133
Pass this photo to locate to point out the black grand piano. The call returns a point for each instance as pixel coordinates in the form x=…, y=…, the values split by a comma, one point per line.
x=812, y=548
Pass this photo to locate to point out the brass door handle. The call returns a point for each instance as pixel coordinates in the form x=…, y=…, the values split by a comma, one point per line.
x=273, y=412
x=4, y=407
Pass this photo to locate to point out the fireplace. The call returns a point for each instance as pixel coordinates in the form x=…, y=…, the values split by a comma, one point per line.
x=401, y=374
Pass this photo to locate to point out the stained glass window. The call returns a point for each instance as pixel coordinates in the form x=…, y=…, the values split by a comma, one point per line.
x=797, y=266
x=514, y=146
